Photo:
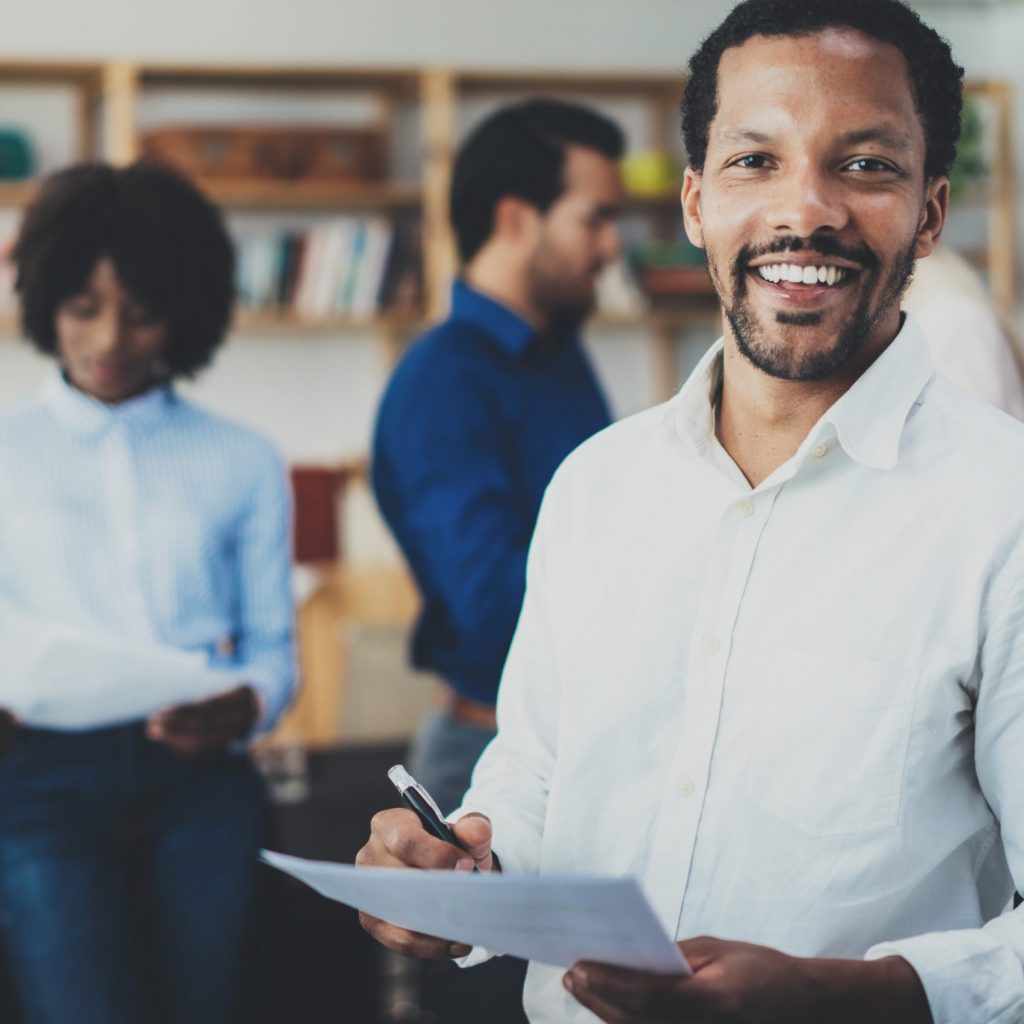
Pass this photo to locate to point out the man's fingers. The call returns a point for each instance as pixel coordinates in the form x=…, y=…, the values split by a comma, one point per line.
x=474, y=832
x=648, y=997
x=402, y=835
x=599, y=1007
x=410, y=943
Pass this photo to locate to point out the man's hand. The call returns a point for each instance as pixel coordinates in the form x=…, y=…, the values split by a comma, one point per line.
x=207, y=728
x=398, y=840
x=735, y=983
x=8, y=730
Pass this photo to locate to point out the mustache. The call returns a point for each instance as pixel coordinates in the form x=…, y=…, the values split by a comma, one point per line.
x=826, y=245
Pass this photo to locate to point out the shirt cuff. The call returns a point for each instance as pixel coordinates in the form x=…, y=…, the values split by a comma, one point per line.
x=272, y=698
x=477, y=955
x=969, y=977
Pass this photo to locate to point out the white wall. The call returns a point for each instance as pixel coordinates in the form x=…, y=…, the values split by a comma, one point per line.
x=315, y=395
x=539, y=33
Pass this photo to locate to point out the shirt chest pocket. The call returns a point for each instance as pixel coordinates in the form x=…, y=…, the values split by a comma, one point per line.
x=832, y=741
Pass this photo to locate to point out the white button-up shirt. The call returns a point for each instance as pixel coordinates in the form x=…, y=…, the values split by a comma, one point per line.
x=795, y=713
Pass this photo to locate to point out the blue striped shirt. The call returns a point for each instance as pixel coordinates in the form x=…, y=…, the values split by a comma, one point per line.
x=150, y=520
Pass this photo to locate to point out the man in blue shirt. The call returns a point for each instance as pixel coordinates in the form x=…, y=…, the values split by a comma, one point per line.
x=484, y=407
x=473, y=425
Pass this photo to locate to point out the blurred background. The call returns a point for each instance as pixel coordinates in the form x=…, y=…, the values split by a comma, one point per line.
x=326, y=130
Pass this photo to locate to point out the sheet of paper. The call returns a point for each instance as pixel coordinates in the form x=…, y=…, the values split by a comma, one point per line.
x=59, y=677
x=551, y=919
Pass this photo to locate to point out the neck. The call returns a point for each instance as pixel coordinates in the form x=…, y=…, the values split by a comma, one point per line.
x=495, y=275
x=762, y=420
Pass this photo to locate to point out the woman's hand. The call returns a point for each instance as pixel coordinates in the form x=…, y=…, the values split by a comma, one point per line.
x=207, y=728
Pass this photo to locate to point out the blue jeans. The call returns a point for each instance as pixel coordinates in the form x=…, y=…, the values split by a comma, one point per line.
x=126, y=878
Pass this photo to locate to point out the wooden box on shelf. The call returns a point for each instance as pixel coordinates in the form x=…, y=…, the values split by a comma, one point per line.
x=211, y=153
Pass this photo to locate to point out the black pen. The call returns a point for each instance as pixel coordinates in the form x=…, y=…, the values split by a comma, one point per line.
x=417, y=799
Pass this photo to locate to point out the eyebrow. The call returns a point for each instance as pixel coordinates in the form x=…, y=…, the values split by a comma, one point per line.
x=745, y=135
x=886, y=136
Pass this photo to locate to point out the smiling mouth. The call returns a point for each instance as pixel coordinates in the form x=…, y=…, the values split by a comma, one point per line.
x=819, y=275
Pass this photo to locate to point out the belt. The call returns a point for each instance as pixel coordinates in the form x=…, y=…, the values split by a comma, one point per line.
x=472, y=712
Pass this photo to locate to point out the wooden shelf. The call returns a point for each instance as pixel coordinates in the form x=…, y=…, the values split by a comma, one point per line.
x=253, y=322
x=484, y=80
x=277, y=78
x=77, y=73
x=247, y=322
x=251, y=194
x=16, y=193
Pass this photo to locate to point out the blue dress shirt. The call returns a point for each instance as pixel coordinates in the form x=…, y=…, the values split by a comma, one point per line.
x=150, y=520
x=473, y=424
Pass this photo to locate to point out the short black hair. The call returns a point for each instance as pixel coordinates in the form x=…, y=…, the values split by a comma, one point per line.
x=937, y=79
x=167, y=242
x=520, y=151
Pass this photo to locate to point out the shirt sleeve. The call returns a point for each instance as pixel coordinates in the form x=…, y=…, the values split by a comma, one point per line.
x=976, y=976
x=265, y=654
x=443, y=476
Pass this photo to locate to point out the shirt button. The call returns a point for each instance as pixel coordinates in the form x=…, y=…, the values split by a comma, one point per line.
x=685, y=786
x=711, y=644
x=745, y=508
x=820, y=450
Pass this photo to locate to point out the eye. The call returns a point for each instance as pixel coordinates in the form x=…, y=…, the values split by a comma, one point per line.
x=752, y=162
x=869, y=164
x=81, y=308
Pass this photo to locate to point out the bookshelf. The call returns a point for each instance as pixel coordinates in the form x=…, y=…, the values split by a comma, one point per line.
x=111, y=96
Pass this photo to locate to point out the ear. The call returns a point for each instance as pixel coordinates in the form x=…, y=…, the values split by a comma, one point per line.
x=515, y=220
x=933, y=216
x=690, y=199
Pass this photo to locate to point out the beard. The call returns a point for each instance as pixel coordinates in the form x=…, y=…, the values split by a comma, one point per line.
x=772, y=355
x=565, y=302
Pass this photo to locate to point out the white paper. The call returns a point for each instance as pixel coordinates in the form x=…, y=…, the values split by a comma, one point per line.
x=58, y=677
x=552, y=919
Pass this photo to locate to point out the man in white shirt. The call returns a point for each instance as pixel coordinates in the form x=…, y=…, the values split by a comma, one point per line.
x=771, y=656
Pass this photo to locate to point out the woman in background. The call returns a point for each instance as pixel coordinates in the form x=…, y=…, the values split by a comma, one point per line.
x=128, y=854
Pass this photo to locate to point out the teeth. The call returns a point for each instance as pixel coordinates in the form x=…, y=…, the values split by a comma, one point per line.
x=828, y=275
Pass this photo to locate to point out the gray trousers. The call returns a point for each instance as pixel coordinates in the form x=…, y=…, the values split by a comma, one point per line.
x=443, y=755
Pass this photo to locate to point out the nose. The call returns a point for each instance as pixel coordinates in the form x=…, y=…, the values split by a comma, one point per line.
x=807, y=200
x=108, y=330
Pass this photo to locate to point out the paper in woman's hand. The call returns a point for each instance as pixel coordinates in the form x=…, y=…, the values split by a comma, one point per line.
x=58, y=677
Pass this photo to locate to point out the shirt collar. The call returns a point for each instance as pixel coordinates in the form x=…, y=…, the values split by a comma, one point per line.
x=867, y=420
x=88, y=416
x=511, y=331
x=870, y=417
